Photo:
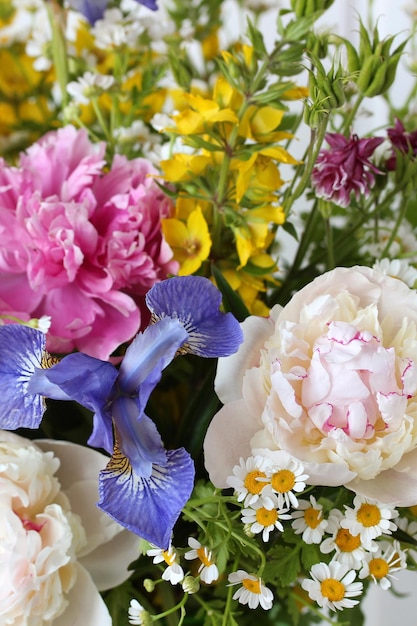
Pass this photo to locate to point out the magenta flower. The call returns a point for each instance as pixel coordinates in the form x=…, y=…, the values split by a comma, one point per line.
x=401, y=141
x=81, y=244
x=345, y=168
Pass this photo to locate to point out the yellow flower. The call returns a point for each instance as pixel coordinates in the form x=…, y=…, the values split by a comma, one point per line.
x=184, y=167
x=260, y=174
x=202, y=113
x=258, y=123
x=190, y=242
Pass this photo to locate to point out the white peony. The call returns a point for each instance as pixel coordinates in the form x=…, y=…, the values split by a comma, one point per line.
x=56, y=547
x=331, y=379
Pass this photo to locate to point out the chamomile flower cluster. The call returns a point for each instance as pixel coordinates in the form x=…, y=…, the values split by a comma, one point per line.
x=358, y=542
x=267, y=487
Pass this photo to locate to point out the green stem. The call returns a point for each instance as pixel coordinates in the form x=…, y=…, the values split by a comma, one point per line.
x=330, y=248
x=59, y=52
x=177, y=607
x=401, y=215
x=316, y=140
x=229, y=598
x=348, y=121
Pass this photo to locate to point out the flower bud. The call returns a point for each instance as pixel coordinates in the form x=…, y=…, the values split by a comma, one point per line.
x=149, y=585
x=302, y=8
x=190, y=584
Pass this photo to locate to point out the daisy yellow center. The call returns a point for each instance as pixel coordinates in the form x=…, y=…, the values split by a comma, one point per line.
x=346, y=542
x=204, y=556
x=283, y=481
x=378, y=568
x=266, y=517
x=252, y=484
x=254, y=586
x=332, y=589
x=368, y=515
x=312, y=517
x=169, y=557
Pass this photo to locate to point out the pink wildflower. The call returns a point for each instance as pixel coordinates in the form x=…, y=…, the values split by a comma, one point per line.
x=345, y=168
x=81, y=244
x=401, y=141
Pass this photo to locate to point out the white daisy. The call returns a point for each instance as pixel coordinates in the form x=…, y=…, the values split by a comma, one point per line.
x=263, y=517
x=369, y=519
x=252, y=592
x=88, y=86
x=208, y=569
x=397, y=268
x=174, y=572
x=332, y=586
x=349, y=548
x=308, y=520
x=381, y=565
x=246, y=479
x=137, y=614
x=285, y=479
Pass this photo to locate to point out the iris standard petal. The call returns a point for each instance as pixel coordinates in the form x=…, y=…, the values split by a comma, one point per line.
x=21, y=351
x=195, y=301
x=149, y=4
x=150, y=506
x=148, y=354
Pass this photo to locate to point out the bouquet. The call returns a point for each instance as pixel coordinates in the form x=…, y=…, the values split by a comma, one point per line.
x=208, y=339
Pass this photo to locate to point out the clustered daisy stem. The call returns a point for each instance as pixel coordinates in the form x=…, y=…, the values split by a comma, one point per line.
x=177, y=607
x=229, y=598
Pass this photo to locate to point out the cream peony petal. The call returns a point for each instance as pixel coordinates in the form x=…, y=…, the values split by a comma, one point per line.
x=78, y=475
x=107, y=565
x=231, y=369
x=227, y=440
x=85, y=605
x=389, y=487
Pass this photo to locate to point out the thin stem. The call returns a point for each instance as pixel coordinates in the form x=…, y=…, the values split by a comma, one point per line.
x=401, y=215
x=330, y=248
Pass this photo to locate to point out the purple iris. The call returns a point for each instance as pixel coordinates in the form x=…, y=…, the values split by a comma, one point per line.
x=94, y=10
x=144, y=486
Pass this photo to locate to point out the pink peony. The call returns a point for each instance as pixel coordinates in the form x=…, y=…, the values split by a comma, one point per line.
x=80, y=243
x=345, y=169
x=331, y=379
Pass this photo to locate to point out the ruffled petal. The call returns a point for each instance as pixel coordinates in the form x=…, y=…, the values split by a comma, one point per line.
x=21, y=352
x=195, y=301
x=150, y=506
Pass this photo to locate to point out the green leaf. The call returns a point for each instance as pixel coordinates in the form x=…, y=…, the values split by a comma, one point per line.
x=284, y=565
x=257, y=40
x=232, y=302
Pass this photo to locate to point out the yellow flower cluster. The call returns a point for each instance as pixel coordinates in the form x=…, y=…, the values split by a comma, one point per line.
x=227, y=181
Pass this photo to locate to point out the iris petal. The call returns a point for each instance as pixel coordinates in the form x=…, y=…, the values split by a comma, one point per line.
x=195, y=301
x=150, y=506
x=138, y=436
x=21, y=352
x=146, y=357
x=88, y=381
x=93, y=10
